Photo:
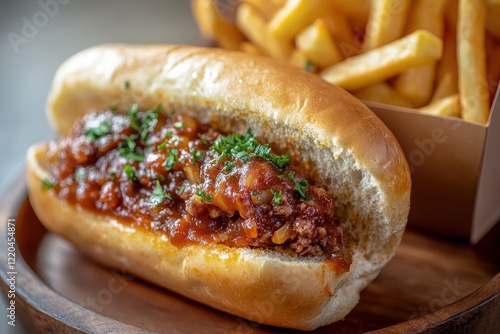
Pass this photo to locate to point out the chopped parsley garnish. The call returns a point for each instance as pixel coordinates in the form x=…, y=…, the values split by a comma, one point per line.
x=277, y=195
x=228, y=165
x=113, y=108
x=246, y=146
x=203, y=138
x=113, y=176
x=100, y=130
x=135, y=122
x=80, y=174
x=149, y=120
x=130, y=172
x=171, y=158
x=126, y=84
x=196, y=155
x=136, y=156
x=178, y=125
x=180, y=190
x=299, y=185
x=128, y=149
x=167, y=133
x=143, y=124
x=158, y=194
x=162, y=146
x=47, y=184
x=309, y=66
x=203, y=195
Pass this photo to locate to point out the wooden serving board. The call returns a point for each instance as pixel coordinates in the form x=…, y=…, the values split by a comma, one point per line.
x=431, y=285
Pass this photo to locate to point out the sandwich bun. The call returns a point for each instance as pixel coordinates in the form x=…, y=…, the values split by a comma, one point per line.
x=331, y=134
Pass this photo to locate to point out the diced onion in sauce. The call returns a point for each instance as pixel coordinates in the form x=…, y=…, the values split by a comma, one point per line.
x=283, y=234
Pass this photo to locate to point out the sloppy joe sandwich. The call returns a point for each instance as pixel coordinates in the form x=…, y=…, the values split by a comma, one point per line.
x=237, y=181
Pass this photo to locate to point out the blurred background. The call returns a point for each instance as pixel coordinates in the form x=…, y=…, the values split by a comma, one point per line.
x=37, y=35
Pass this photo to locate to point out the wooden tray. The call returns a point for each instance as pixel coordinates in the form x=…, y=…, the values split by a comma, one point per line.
x=431, y=285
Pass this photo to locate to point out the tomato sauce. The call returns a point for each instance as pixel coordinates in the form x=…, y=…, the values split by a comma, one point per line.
x=166, y=172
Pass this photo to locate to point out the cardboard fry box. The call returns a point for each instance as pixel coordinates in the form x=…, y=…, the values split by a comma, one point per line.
x=455, y=169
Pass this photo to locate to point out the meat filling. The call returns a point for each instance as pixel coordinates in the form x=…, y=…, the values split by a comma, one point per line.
x=166, y=172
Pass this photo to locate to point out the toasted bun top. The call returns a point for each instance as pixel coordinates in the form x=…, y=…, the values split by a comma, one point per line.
x=346, y=146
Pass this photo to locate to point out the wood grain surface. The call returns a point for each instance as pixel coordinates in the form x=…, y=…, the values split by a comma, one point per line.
x=432, y=285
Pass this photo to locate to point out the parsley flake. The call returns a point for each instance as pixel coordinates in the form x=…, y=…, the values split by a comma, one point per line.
x=246, y=146
x=48, y=184
x=277, y=196
x=205, y=197
x=158, y=195
x=167, y=133
x=228, y=165
x=171, y=158
x=203, y=138
x=130, y=172
x=196, y=155
x=309, y=66
x=128, y=149
x=161, y=146
x=100, y=130
x=149, y=121
x=300, y=186
x=180, y=190
x=80, y=174
x=132, y=112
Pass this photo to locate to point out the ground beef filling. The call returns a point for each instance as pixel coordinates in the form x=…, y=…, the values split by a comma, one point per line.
x=165, y=172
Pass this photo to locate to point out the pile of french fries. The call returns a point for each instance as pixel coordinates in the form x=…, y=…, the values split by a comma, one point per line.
x=441, y=57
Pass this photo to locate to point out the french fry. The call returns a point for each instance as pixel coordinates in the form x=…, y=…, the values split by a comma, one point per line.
x=317, y=44
x=493, y=18
x=254, y=27
x=295, y=16
x=250, y=48
x=472, y=82
x=418, y=48
x=417, y=83
x=205, y=13
x=357, y=10
x=446, y=86
x=341, y=32
x=447, y=73
x=383, y=93
x=448, y=62
x=211, y=24
x=266, y=7
x=386, y=22
x=448, y=106
x=300, y=59
x=432, y=52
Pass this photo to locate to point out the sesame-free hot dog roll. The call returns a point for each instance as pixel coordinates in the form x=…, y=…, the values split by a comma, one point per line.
x=237, y=181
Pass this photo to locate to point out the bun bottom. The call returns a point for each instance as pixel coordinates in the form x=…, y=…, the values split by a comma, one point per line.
x=263, y=286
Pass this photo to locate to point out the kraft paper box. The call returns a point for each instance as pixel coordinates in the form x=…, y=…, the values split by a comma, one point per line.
x=455, y=169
